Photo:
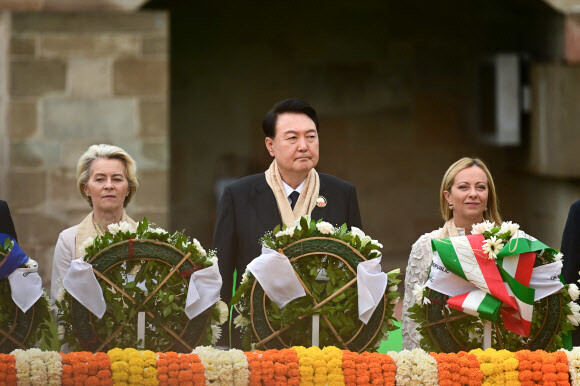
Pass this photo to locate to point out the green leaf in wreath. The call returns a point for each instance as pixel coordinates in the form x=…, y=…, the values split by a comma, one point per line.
x=167, y=310
x=343, y=229
x=7, y=244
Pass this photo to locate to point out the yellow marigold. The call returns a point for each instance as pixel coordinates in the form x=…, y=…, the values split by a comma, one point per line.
x=120, y=366
x=513, y=383
x=150, y=372
x=150, y=382
x=120, y=376
x=121, y=384
x=136, y=370
x=306, y=371
x=320, y=379
x=512, y=375
x=136, y=362
x=136, y=379
x=335, y=378
x=334, y=363
x=510, y=364
x=306, y=361
x=131, y=350
x=320, y=364
x=487, y=368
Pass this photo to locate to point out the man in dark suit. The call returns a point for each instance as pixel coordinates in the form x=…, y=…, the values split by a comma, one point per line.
x=6, y=224
x=250, y=207
x=571, y=251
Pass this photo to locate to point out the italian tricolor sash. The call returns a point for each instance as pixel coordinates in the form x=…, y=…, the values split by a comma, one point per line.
x=502, y=284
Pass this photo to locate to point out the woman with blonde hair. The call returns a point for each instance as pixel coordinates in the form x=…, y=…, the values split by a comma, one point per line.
x=467, y=197
x=106, y=178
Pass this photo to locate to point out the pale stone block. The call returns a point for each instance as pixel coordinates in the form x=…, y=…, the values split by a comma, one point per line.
x=90, y=22
x=36, y=77
x=89, y=77
x=34, y=153
x=59, y=45
x=140, y=77
x=153, y=119
x=152, y=192
x=63, y=192
x=22, y=122
x=154, y=155
x=23, y=46
x=92, y=118
x=155, y=45
x=39, y=228
x=26, y=189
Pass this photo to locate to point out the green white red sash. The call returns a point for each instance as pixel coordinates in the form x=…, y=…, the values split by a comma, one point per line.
x=502, y=284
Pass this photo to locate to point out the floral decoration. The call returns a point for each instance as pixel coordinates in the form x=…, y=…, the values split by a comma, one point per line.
x=415, y=367
x=37, y=367
x=468, y=329
x=322, y=275
x=458, y=369
x=498, y=367
x=179, y=369
x=542, y=368
x=86, y=368
x=138, y=278
x=133, y=367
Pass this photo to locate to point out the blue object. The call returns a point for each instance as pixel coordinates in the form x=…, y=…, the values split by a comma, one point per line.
x=14, y=259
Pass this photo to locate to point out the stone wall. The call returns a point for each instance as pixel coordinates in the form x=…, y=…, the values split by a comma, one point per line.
x=76, y=79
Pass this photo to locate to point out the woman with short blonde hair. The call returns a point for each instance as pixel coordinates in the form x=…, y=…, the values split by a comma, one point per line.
x=467, y=197
x=106, y=178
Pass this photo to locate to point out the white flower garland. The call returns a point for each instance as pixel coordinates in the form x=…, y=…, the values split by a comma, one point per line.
x=35, y=367
x=574, y=365
x=240, y=366
x=216, y=365
x=415, y=368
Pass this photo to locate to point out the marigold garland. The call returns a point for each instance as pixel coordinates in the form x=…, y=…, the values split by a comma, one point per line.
x=498, y=367
x=294, y=366
x=86, y=368
x=542, y=368
x=133, y=367
x=458, y=369
x=7, y=370
x=179, y=369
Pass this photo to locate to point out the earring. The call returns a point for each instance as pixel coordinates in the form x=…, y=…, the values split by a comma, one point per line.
x=450, y=207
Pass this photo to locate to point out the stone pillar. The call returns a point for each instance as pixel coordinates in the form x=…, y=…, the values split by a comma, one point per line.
x=77, y=79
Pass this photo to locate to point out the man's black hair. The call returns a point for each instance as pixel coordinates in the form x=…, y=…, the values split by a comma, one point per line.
x=290, y=105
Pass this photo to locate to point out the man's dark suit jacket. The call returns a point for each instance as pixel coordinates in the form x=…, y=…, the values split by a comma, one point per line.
x=6, y=224
x=248, y=209
x=571, y=251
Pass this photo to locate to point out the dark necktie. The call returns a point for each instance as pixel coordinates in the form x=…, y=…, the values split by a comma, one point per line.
x=293, y=198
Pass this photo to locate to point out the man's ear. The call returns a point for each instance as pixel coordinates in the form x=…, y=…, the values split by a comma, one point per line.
x=270, y=146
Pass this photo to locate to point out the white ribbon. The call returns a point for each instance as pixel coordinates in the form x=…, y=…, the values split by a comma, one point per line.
x=26, y=287
x=81, y=283
x=204, y=290
x=371, y=285
x=545, y=279
x=276, y=276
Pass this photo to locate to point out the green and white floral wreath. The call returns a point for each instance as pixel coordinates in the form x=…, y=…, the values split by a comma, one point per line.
x=25, y=324
x=455, y=323
x=325, y=260
x=135, y=267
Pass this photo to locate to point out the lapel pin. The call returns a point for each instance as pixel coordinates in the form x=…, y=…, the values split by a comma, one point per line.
x=321, y=202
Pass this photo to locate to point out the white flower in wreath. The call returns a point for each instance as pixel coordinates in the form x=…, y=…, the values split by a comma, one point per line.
x=125, y=227
x=395, y=300
x=223, y=310
x=512, y=227
x=574, y=318
x=393, y=288
x=376, y=242
x=241, y=321
x=365, y=240
x=199, y=247
x=558, y=256
x=354, y=231
x=114, y=228
x=216, y=333
x=287, y=232
x=60, y=293
x=31, y=263
x=61, y=332
x=245, y=277
x=86, y=244
x=418, y=293
x=573, y=291
x=492, y=246
x=159, y=231
x=325, y=228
